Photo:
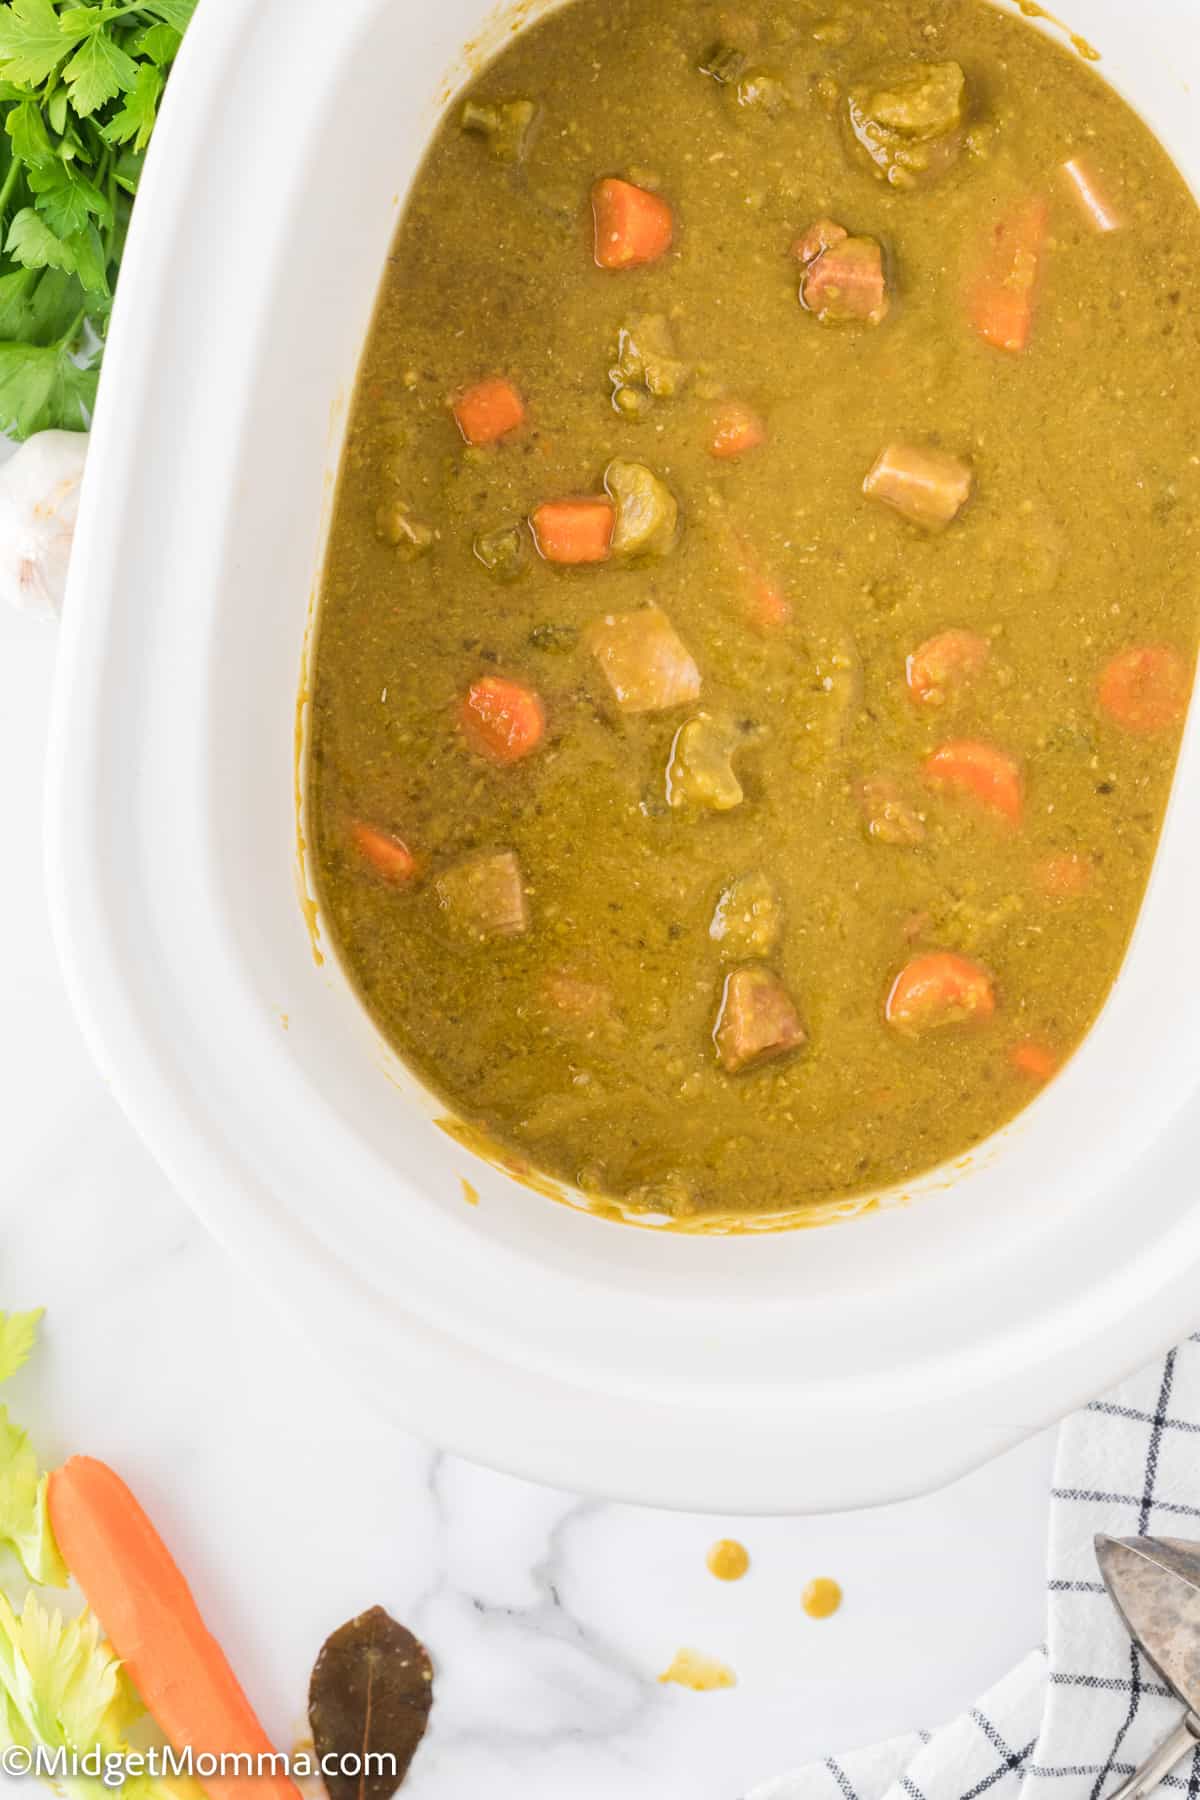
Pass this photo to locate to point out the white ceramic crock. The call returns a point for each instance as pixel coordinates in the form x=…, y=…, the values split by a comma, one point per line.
x=799, y=1371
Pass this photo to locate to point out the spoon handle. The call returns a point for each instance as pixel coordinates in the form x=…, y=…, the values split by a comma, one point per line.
x=1143, y=1781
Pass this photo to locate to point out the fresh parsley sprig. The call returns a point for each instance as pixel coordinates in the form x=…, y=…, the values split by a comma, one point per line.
x=80, y=84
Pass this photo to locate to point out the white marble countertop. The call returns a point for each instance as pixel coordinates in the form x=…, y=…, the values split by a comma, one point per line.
x=291, y=1507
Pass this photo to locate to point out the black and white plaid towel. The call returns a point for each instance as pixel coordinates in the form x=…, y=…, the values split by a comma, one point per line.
x=1072, y=1720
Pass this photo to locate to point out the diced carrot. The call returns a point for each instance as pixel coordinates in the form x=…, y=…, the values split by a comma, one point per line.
x=1145, y=688
x=1065, y=876
x=489, y=410
x=1033, y=1058
x=768, y=608
x=765, y=605
x=914, y=925
x=141, y=1599
x=1004, y=293
x=632, y=225
x=939, y=988
x=387, y=854
x=574, y=531
x=1084, y=187
x=942, y=665
x=736, y=429
x=821, y=235
x=502, y=720
x=981, y=770
x=929, y=487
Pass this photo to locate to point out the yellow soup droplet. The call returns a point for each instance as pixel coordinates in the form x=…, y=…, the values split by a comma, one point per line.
x=728, y=1560
x=692, y=1669
x=470, y=1194
x=822, y=1598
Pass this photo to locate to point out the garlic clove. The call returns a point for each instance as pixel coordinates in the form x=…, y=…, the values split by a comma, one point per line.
x=39, y=501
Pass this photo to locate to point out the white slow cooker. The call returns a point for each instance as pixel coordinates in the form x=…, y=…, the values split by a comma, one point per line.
x=793, y=1371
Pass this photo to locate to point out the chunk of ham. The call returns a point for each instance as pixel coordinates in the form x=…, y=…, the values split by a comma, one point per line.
x=890, y=816
x=1064, y=876
x=484, y=897
x=944, y=665
x=846, y=284
x=822, y=234
x=644, y=660
x=929, y=487
x=576, y=998
x=757, y=1021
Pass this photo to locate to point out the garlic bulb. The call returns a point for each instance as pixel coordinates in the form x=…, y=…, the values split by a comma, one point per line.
x=39, y=499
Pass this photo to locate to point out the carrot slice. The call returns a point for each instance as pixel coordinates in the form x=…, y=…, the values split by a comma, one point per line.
x=502, y=720
x=939, y=988
x=1004, y=293
x=1033, y=1058
x=1065, y=876
x=1145, y=688
x=574, y=531
x=387, y=854
x=981, y=770
x=942, y=665
x=632, y=225
x=736, y=429
x=489, y=410
x=141, y=1599
x=766, y=607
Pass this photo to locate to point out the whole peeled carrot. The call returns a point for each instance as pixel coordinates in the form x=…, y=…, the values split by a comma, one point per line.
x=135, y=1589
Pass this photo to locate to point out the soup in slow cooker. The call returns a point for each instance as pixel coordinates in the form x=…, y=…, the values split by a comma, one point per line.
x=761, y=605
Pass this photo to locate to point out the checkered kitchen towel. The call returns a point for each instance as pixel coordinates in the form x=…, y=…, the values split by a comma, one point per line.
x=1073, y=1720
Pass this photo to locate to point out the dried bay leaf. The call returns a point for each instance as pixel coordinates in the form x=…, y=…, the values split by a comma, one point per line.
x=370, y=1695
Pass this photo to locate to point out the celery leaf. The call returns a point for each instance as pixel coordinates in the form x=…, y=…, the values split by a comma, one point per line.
x=18, y=1334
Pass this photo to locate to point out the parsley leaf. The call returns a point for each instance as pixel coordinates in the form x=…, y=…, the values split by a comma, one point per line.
x=42, y=388
x=172, y=12
x=160, y=43
x=98, y=71
x=31, y=241
x=87, y=248
x=31, y=42
x=39, y=306
x=67, y=200
x=80, y=87
x=136, y=118
x=30, y=139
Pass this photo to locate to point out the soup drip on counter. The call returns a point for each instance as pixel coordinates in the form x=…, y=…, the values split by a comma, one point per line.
x=728, y=1560
x=821, y=1598
x=703, y=1674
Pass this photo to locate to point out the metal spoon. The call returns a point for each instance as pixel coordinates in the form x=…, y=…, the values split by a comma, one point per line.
x=1154, y=1583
